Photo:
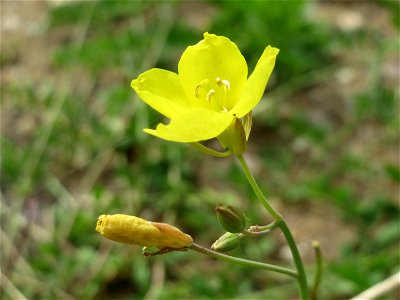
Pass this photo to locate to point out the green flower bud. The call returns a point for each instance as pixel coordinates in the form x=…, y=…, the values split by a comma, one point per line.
x=231, y=218
x=226, y=242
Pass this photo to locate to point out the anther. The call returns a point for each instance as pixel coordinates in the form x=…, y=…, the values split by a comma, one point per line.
x=226, y=84
x=210, y=94
x=196, y=91
x=202, y=83
x=218, y=80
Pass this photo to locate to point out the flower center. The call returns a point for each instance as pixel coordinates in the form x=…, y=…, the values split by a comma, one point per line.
x=214, y=94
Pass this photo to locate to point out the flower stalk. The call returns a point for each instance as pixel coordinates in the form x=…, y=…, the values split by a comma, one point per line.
x=261, y=230
x=242, y=261
x=280, y=223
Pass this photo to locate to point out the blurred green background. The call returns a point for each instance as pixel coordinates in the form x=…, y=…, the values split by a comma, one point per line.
x=324, y=147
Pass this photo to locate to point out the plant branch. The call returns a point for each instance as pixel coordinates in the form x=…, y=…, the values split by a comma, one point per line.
x=242, y=261
x=318, y=273
x=260, y=230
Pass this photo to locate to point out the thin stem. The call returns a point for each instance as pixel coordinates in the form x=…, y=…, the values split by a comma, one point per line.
x=256, y=233
x=257, y=189
x=209, y=151
x=301, y=279
x=318, y=272
x=242, y=261
x=260, y=230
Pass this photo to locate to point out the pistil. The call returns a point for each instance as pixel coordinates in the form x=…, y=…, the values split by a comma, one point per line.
x=213, y=95
x=210, y=94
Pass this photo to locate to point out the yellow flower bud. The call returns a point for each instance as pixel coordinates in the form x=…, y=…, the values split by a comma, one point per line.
x=133, y=230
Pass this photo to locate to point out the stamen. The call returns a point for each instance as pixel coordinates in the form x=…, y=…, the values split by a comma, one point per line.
x=218, y=80
x=202, y=83
x=210, y=94
x=226, y=84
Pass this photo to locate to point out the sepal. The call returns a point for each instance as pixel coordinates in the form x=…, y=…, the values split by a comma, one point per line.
x=234, y=137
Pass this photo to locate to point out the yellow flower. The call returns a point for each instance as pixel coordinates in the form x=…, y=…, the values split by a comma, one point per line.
x=210, y=93
x=133, y=230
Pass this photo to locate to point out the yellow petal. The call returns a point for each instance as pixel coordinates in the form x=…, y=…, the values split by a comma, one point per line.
x=127, y=229
x=161, y=90
x=256, y=83
x=213, y=57
x=196, y=125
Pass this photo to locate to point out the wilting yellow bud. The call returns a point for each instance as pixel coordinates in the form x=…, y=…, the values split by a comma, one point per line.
x=133, y=230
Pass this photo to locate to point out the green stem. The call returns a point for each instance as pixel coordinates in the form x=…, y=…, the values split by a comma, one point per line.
x=243, y=262
x=257, y=189
x=318, y=273
x=260, y=230
x=301, y=279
